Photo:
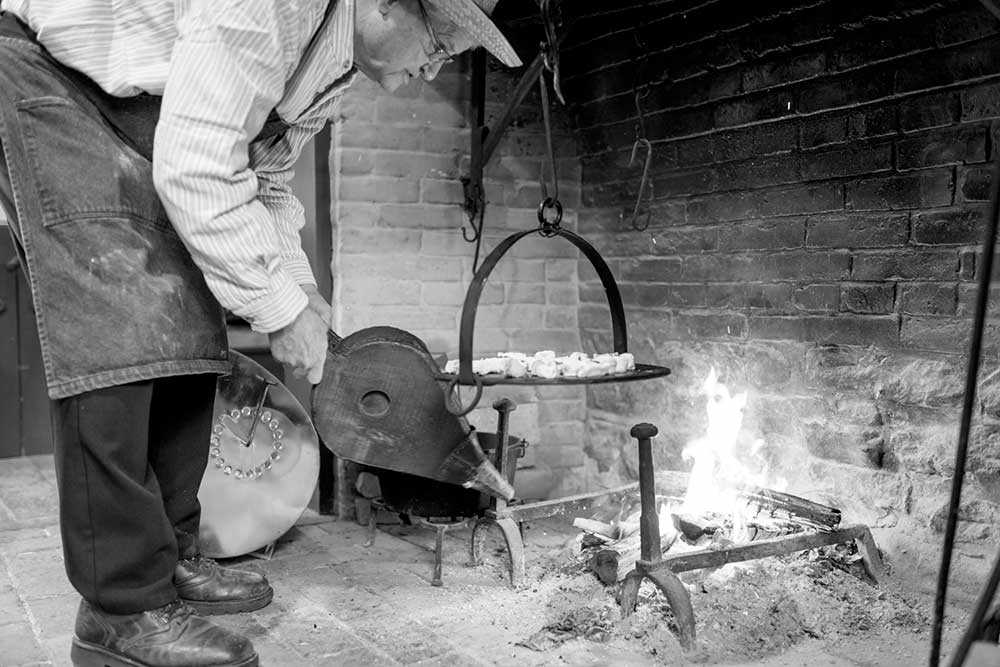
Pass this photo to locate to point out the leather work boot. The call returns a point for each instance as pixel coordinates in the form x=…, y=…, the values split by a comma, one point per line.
x=213, y=589
x=169, y=636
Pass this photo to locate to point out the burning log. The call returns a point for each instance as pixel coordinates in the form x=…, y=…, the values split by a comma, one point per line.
x=611, y=542
x=798, y=509
x=614, y=560
x=600, y=529
x=694, y=528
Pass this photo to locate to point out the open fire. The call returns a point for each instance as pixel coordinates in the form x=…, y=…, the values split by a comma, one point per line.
x=724, y=514
x=721, y=475
x=728, y=497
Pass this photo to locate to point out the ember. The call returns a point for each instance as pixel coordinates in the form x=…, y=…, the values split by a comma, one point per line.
x=796, y=605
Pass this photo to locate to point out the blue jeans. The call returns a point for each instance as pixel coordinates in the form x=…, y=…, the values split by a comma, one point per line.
x=116, y=294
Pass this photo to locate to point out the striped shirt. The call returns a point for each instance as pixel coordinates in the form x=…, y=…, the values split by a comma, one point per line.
x=221, y=66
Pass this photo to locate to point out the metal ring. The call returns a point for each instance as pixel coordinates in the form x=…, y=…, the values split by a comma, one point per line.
x=550, y=203
x=450, y=387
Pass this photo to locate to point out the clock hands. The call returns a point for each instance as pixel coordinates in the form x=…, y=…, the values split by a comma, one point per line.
x=255, y=419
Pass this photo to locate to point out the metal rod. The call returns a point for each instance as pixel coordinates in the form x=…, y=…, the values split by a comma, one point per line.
x=991, y=7
x=961, y=451
x=256, y=415
x=520, y=92
x=501, y=459
x=642, y=182
x=547, y=119
x=557, y=506
x=438, y=548
x=486, y=139
x=696, y=560
x=649, y=521
x=475, y=197
x=975, y=626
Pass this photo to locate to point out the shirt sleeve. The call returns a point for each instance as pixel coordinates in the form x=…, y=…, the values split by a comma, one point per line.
x=273, y=161
x=227, y=72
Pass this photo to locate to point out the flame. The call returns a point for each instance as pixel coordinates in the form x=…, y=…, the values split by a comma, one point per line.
x=720, y=470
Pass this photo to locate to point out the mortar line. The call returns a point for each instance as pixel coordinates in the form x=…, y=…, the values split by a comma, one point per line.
x=26, y=612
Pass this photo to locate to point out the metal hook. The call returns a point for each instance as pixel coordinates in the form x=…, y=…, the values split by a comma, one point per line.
x=476, y=230
x=641, y=141
x=550, y=47
x=474, y=205
x=640, y=117
x=640, y=91
x=640, y=88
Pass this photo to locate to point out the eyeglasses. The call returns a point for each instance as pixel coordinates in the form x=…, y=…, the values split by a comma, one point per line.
x=440, y=54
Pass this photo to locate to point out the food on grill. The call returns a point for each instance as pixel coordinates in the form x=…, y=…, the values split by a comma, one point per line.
x=546, y=364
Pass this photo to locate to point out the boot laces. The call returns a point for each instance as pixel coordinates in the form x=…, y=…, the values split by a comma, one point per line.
x=171, y=611
x=200, y=562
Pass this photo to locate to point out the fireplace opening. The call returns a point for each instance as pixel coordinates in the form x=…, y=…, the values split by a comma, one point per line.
x=791, y=198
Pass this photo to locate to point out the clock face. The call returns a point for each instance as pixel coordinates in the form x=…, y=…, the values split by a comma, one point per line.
x=247, y=446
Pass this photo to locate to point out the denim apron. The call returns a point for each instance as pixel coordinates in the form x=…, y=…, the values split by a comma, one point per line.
x=117, y=297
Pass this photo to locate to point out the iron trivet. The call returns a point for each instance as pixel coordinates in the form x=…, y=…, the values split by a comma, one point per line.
x=662, y=571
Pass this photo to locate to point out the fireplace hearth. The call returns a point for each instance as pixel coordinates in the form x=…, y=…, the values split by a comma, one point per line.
x=662, y=571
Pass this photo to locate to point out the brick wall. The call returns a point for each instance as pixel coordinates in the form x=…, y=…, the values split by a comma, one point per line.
x=400, y=258
x=820, y=187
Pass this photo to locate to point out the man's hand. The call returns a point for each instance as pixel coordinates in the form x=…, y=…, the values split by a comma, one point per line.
x=320, y=305
x=302, y=344
x=322, y=308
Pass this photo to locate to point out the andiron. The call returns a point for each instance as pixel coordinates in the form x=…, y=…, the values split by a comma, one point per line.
x=663, y=571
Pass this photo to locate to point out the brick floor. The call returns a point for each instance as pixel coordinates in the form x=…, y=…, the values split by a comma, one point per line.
x=338, y=602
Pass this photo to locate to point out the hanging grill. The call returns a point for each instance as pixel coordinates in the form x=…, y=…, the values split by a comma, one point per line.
x=549, y=226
